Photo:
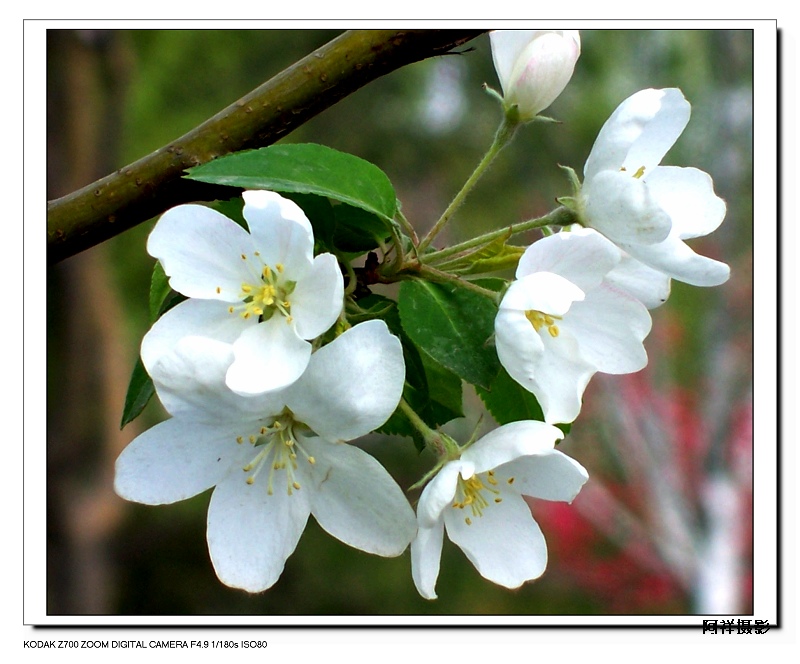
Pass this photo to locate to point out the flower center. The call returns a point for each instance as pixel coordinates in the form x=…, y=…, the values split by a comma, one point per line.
x=270, y=294
x=539, y=320
x=470, y=493
x=278, y=448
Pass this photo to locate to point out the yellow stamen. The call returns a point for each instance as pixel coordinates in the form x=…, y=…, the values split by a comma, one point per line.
x=540, y=320
x=470, y=493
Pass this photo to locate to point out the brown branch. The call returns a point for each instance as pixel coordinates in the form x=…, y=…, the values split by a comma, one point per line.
x=152, y=184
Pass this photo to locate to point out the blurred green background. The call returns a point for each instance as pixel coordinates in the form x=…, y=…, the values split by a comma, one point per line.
x=669, y=506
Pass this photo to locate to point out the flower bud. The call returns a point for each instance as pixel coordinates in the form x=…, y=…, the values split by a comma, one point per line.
x=533, y=66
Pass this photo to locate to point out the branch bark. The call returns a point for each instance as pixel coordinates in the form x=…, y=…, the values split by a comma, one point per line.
x=153, y=184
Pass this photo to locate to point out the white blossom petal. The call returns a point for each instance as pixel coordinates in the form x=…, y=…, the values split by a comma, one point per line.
x=357, y=501
x=560, y=379
x=190, y=381
x=504, y=543
x=318, y=299
x=280, y=232
x=542, y=291
x=651, y=287
x=610, y=327
x=581, y=256
x=508, y=442
x=440, y=491
x=202, y=318
x=687, y=196
x=426, y=555
x=268, y=356
x=519, y=347
x=552, y=369
x=507, y=47
x=676, y=259
x=175, y=460
x=549, y=475
x=623, y=209
x=352, y=385
x=251, y=533
x=201, y=249
x=639, y=132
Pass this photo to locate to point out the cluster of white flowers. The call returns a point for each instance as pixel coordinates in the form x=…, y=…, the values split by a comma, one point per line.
x=579, y=305
x=262, y=409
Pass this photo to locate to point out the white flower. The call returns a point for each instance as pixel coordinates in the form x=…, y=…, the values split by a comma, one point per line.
x=273, y=459
x=478, y=499
x=534, y=66
x=647, y=209
x=262, y=291
x=562, y=320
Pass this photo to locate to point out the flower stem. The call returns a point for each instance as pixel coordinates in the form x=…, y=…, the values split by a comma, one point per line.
x=433, y=441
x=407, y=227
x=352, y=281
x=561, y=216
x=505, y=133
x=437, y=275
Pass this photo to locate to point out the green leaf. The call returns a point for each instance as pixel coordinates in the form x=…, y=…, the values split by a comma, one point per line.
x=342, y=228
x=159, y=290
x=305, y=168
x=140, y=386
x=140, y=391
x=452, y=325
x=508, y=401
x=444, y=390
x=162, y=297
x=357, y=230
